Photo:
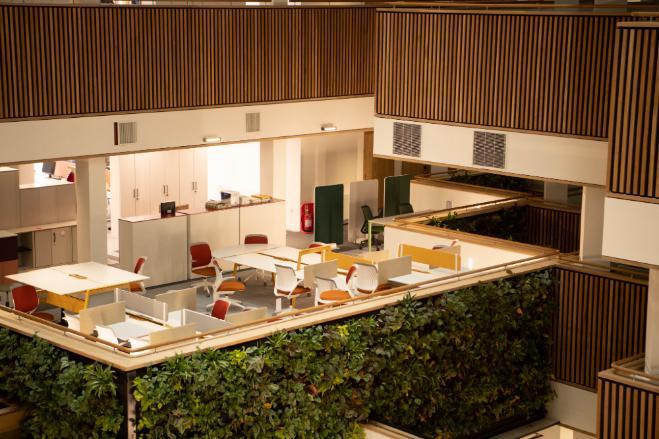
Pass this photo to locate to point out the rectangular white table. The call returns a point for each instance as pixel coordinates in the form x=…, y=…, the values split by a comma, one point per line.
x=263, y=262
x=292, y=254
x=422, y=276
x=88, y=278
x=235, y=250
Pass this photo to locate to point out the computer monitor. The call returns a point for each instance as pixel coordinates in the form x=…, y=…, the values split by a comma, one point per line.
x=48, y=168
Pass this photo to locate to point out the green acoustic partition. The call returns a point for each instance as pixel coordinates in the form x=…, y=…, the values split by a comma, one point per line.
x=329, y=214
x=396, y=192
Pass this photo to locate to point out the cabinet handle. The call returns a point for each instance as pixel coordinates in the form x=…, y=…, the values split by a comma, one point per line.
x=194, y=186
x=54, y=237
x=167, y=189
x=164, y=192
x=137, y=191
x=134, y=193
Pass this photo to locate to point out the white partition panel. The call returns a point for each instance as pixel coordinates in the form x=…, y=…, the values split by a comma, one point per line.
x=362, y=193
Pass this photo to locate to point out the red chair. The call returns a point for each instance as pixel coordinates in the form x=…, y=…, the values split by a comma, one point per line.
x=316, y=244
x=256, y=239
x=201, y=257
x=138, y=287
x=220, y=309
x=351, y=272
x=26, y=300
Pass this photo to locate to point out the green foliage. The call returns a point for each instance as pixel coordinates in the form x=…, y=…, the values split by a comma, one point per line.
x=449, y=366
x=493, y=181
x=508, y=223
x=64, y=398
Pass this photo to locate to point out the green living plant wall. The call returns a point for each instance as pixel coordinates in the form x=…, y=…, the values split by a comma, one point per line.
x=64, y=398
x=508, y=223
x=451, y=366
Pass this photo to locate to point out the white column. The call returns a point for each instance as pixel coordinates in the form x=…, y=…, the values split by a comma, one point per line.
x=592, y=223
x=652, y=327
x=92, y=207
x=556, y=192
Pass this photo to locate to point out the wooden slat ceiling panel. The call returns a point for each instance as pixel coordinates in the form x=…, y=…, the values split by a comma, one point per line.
x=62, y=61
x=545, y=73
x=598, y=320
x=633, y=149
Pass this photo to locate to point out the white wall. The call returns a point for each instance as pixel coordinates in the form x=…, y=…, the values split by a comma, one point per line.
x=474, y=256
x=234, y=167
x=630, y=230
x=83, y=136
x=428, y=197
x=332, y=159
x=534, y=155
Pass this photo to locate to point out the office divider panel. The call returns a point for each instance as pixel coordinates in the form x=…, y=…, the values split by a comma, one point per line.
x=396, y=192
x=362, y=193
x=329, y=214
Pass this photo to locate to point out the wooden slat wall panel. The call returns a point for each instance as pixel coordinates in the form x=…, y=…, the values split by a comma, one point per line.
x=598, y=320
x=626, y=412
x=543, y=73
x=554, y=228
x=633, y=148
x=62, y=61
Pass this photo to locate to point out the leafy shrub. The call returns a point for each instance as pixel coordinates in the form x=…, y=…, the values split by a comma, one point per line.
x=508, y=223
x=493, y=180
x=63, y=398
x=449, y=366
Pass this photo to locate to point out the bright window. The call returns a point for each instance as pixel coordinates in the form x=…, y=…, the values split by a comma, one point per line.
x=234, y=167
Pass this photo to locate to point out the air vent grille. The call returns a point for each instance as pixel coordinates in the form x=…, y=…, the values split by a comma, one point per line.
x=252, y=122
x=125, y=133
x=489, y=149
x=407, y=139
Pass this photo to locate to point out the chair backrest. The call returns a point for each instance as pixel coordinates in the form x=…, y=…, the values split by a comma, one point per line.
x=324, y=284
x=220, y=309
x=25, y=298
x=285, y=279
x=405, y=208
x=201, y=254
x=367, y=278
x=139, y=264
x=256, y=239
x=219, y=278
x=351, y=272
x=316, y=244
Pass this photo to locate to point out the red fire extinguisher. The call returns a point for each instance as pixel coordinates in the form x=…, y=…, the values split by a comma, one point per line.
x=306, y=217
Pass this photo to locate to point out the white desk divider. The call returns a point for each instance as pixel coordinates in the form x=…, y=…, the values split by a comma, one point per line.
x=171, y=335
x=251, y=315
x=324, y=269
x=142, y=305
x=393, y=268
x=362, y=193
x=204, y=322
x=101, y=315
x=179, y=299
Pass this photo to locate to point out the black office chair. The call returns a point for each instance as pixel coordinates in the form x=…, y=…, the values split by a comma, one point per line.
x=404, y=208
x=375, y=228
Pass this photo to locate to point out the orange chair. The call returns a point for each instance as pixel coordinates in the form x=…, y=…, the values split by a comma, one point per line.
x=138, y=287
x=26, y=300
x=201, y=257
x=220, y=309
x=224, y=286
x=316, y=244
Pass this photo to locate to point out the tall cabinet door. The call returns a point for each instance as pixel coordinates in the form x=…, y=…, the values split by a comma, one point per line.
x=186, y=177
x=42, y=248
x=171, y=175
x=200, y=177
x=143, y=206
x=127, y=185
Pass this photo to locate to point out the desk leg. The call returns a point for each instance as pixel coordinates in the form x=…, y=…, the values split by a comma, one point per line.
x=370, y=235
x=86, y=300
x=235, y=271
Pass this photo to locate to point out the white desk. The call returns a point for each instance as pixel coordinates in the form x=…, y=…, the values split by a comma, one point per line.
x=292, y=254
x=422, y=276
x=262, y=262
x=132, y=328
x=88, y=278
x=387, y=220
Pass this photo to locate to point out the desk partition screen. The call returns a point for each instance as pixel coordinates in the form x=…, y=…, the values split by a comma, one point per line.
x=328, y=224
x=396, y=192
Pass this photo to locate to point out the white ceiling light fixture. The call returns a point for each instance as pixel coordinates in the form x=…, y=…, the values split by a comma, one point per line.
x=212, y=139
x=328, y=127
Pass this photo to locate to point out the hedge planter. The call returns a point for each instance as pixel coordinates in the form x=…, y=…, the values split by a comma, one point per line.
x=457, y=365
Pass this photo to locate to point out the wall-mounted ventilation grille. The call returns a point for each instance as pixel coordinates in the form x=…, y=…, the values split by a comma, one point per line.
x=489, y=149
x=252, y=122
x=125, y=132
x=407, y=139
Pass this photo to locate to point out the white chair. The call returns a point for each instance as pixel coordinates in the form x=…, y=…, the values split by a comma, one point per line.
x=287, y=286
x=328, y=292
x=366, y=280
x=224, y=286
